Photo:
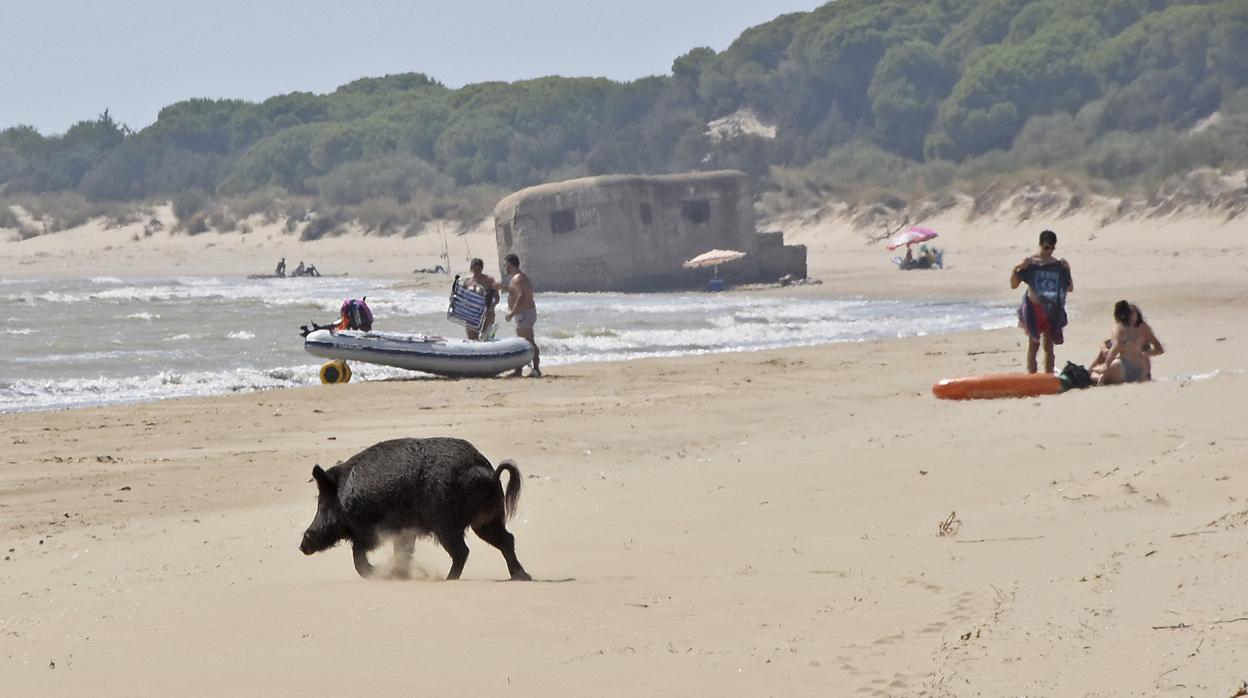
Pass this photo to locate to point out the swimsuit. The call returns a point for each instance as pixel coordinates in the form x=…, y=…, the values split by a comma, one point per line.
x=1033, y=318
x=525, y=319
x=1132, y=373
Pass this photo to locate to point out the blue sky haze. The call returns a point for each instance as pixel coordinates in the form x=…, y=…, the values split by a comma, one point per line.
x=67, y=60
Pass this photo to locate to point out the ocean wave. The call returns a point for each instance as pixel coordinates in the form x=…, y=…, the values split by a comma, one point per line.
x=194, y=348
x=328, y=294
x=105, y=280
x=31, y=395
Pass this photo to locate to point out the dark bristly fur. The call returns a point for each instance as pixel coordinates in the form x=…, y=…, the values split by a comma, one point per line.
x=407, y=488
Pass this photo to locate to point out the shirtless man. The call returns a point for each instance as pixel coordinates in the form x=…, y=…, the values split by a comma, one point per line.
x=1131, y=349
x=1042, y=314
x=521, y=306
x=486, y=283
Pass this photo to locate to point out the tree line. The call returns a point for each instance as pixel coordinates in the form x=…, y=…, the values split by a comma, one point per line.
x=1109, y=89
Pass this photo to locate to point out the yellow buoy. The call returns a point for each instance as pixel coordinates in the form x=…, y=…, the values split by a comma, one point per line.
x=335, y=372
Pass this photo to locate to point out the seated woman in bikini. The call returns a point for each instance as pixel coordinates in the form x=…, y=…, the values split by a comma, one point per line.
x=1128, y=358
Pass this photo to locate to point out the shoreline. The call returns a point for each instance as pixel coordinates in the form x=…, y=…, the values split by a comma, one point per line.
x=885, y=321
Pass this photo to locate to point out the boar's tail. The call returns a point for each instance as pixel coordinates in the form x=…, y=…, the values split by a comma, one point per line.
x=511, y=497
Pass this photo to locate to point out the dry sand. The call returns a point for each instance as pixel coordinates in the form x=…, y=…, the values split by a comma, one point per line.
x=751, y=524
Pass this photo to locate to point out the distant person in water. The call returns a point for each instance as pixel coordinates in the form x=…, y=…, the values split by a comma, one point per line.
x=311, y=270
x=300, y=270
x=281, y=267
x=520, y=306
x=480, y=280
x=1042, y=313
x=1131, y=349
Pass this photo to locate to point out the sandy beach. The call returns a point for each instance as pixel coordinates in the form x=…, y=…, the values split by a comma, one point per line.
x=737, y=524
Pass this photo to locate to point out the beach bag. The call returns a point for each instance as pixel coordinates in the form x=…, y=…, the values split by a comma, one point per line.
x=1075, y=376
x=356, y=315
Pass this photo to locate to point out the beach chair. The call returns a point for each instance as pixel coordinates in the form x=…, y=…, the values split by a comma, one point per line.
x=468, y=306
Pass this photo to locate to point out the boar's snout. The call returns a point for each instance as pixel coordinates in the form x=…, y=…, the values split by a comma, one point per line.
x=306, y=546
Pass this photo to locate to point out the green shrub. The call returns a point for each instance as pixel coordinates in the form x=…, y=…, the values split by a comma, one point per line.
x=320, y=226
x=8, y=218
x=196, y=224
x=189, y=203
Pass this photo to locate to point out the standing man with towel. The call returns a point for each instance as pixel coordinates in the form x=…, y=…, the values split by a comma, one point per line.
x=1042, y=314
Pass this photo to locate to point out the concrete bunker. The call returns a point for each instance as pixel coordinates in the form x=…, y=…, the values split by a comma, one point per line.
x=633, y=232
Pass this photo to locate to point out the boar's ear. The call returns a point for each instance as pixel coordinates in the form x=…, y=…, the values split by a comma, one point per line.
x=323, y=481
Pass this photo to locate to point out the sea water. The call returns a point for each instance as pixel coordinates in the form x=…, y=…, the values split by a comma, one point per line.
x=80, y=342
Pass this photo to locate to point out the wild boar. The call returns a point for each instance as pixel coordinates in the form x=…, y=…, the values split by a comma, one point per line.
x=407, y=488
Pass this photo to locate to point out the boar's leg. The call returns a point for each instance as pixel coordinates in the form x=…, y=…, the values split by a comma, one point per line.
x=453, y=542
x=496, y=534
x=404, y=545
x=359, y=553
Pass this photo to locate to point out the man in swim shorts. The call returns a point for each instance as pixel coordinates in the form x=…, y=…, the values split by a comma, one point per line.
x=521, y=307
x=1042, y=314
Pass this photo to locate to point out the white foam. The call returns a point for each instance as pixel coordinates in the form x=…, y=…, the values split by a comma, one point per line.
x=1207, y=375
x=194, y=348
x=29, y=395
x=17, y=331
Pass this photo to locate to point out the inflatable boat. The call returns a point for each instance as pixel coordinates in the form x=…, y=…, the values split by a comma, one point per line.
x=458, y=358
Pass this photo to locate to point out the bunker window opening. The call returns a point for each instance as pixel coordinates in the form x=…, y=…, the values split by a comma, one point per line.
x=563, y=221
x=696, y=211
x=647, y=214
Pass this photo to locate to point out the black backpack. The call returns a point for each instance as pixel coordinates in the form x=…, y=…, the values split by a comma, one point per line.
x=1075, y=376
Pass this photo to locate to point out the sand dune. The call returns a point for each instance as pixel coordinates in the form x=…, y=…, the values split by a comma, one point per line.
x=751, y=524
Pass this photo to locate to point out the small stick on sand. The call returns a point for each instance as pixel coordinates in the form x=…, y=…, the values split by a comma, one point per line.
x=994, y=540
x=1181, y=626
x=950, y=525
x=1189, y=533
x=1229, y=620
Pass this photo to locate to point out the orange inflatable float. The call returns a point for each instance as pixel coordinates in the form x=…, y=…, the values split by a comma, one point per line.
x=998, y=385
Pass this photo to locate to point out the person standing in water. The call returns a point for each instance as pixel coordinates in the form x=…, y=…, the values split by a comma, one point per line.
x=521, y=307
x=281, y=267
x=1042, y=313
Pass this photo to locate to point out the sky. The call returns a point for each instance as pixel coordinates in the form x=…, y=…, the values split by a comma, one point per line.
x=63, y=61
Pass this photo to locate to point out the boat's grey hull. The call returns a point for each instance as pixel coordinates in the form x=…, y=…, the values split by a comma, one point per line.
x=444, y=357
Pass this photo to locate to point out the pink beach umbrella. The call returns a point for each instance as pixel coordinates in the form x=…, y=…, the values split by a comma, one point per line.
x=911, y=236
